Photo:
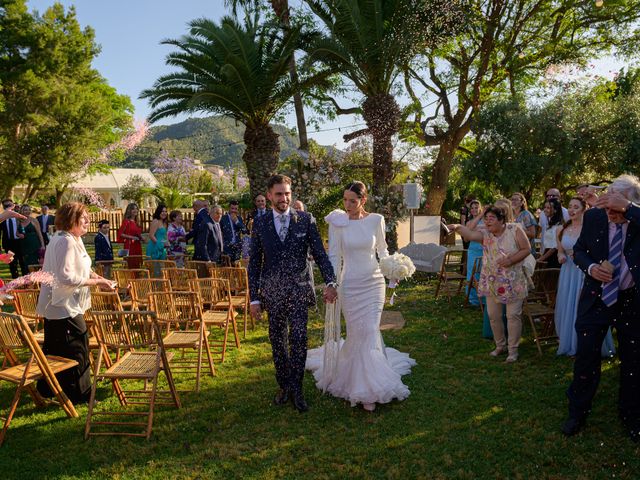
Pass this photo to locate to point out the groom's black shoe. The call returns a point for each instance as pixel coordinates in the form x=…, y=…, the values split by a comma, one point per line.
x=299, y=403
x=282, y=397
x=572, y=426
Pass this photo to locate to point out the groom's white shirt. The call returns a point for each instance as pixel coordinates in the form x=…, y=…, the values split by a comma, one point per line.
x=276, y=223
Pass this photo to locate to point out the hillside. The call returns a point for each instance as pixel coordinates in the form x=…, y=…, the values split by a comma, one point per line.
x=212, y=140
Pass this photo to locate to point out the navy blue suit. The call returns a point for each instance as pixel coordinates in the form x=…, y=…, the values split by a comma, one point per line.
x=280, y=279
x=104, y=250
x=594, y=317
x=207, y=246
x=231, y=248
x=201, y=216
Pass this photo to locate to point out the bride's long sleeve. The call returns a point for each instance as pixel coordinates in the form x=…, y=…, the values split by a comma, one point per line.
x=381, y=242
x=335, y=250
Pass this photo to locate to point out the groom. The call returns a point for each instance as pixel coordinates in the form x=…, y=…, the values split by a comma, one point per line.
x=280, y=283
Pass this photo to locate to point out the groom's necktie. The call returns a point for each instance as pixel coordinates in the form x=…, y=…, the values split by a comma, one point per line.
x=282, y=230
x=610, y=290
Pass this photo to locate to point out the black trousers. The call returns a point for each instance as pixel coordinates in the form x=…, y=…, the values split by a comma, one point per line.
x=288, y=336
x=18, y=259
x=69, y=338
x=591, y=328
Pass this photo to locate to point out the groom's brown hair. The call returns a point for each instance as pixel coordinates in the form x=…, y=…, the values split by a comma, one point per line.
x=276, y=180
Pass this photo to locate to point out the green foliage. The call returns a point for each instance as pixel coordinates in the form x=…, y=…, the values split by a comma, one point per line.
x=584, y=135
x=172, y=198
x=136, y=189
x=59, y=113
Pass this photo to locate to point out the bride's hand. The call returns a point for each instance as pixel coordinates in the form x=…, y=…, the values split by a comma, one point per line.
x=330, y=294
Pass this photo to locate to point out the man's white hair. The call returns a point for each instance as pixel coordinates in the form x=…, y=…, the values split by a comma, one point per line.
x=628, y=186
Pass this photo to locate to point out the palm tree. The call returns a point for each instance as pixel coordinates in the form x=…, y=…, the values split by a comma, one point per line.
x=368, y=42
x=237, y=70
x=281, y=10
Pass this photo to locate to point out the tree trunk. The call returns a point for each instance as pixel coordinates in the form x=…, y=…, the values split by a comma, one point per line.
x=281, y=9
x=261, y=156
x=437, y=192
x=382, y=115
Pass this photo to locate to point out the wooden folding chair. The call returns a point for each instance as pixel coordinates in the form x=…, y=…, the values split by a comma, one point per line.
x=450, y=274
x=155, y=267
x=123, y=278
x=201, y=266
x=180, y=314
x=106, y=302
x=25, y=303
x=138, y=335
x=539, y=306
x=239, y=286
x=213, y=293
x=142, y=287
x=180, y=278
x=16, y=334
x=36, y=267
x=105, y=268
x=134, y=262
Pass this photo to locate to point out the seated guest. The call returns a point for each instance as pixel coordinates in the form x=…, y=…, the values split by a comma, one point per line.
x=104, y=249
x=232, y=230
x=608, y=252
x=553, y=214
x=570, y=285
x=64, y=302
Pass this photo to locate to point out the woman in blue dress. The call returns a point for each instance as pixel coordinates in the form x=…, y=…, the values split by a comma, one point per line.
x=474, y=250
x=157, y=246
x=570, y=285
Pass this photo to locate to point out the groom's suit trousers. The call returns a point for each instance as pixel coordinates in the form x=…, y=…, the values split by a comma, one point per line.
x=288, y=336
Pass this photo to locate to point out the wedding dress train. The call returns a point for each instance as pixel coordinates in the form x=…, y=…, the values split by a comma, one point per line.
x=366, y=371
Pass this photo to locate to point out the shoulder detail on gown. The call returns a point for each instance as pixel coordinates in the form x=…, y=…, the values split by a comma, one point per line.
x=338, y=218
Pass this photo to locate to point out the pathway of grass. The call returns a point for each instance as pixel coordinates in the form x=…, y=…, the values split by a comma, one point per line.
x=468, y=417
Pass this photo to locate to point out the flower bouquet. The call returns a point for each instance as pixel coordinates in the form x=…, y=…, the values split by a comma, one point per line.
x=396, y=267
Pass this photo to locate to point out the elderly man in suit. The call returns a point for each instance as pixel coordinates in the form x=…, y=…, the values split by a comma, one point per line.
x=279, y=282
x=232, y=229
x=608, y=251
x=208, y=239
x=45, y=221
x=201, y=209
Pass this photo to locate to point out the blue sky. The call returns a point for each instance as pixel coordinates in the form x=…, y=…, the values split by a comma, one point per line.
x=129, y=33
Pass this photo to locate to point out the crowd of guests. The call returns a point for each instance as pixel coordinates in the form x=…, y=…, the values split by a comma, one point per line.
x=595, y=242
x=27, y=237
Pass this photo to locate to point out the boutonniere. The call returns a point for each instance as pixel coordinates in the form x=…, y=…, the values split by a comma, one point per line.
x=294, y=217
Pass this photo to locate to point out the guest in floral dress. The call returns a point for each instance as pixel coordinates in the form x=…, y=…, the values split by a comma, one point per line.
x=502, y=279
x=176, y=235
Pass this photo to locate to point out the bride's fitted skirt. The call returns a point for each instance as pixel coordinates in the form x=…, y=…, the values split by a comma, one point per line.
x=367, y=371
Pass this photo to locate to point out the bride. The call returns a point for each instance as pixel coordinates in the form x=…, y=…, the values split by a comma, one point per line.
x=359, y=369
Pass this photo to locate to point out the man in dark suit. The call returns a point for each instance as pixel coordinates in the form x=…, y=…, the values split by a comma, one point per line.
x=201, y=209
x=279, y=282
x=260, y=203
x=608, y=251
x=45, y=221
x=104, y=250
x=232, y=230
x=208, y=239
x=12, y=240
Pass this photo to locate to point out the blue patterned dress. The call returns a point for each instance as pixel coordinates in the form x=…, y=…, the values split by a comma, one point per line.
x=569, y=288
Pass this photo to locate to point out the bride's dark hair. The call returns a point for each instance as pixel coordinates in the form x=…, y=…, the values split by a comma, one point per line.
x=359, y=188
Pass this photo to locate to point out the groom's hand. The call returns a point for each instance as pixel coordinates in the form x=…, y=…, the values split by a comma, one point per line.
x=256, y=311
x=330, y=294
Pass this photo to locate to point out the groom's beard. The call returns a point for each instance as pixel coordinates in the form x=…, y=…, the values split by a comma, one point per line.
x=281, y=207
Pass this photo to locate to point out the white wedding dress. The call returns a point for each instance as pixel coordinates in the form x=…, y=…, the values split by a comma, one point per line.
x=366, y=371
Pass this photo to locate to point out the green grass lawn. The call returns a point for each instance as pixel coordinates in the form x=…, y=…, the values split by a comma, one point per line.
x=469, y=416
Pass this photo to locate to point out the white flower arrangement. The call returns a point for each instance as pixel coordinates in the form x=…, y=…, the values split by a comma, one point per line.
x=396, y=267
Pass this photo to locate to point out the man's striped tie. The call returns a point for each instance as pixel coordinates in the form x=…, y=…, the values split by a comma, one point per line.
x=610, y=290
